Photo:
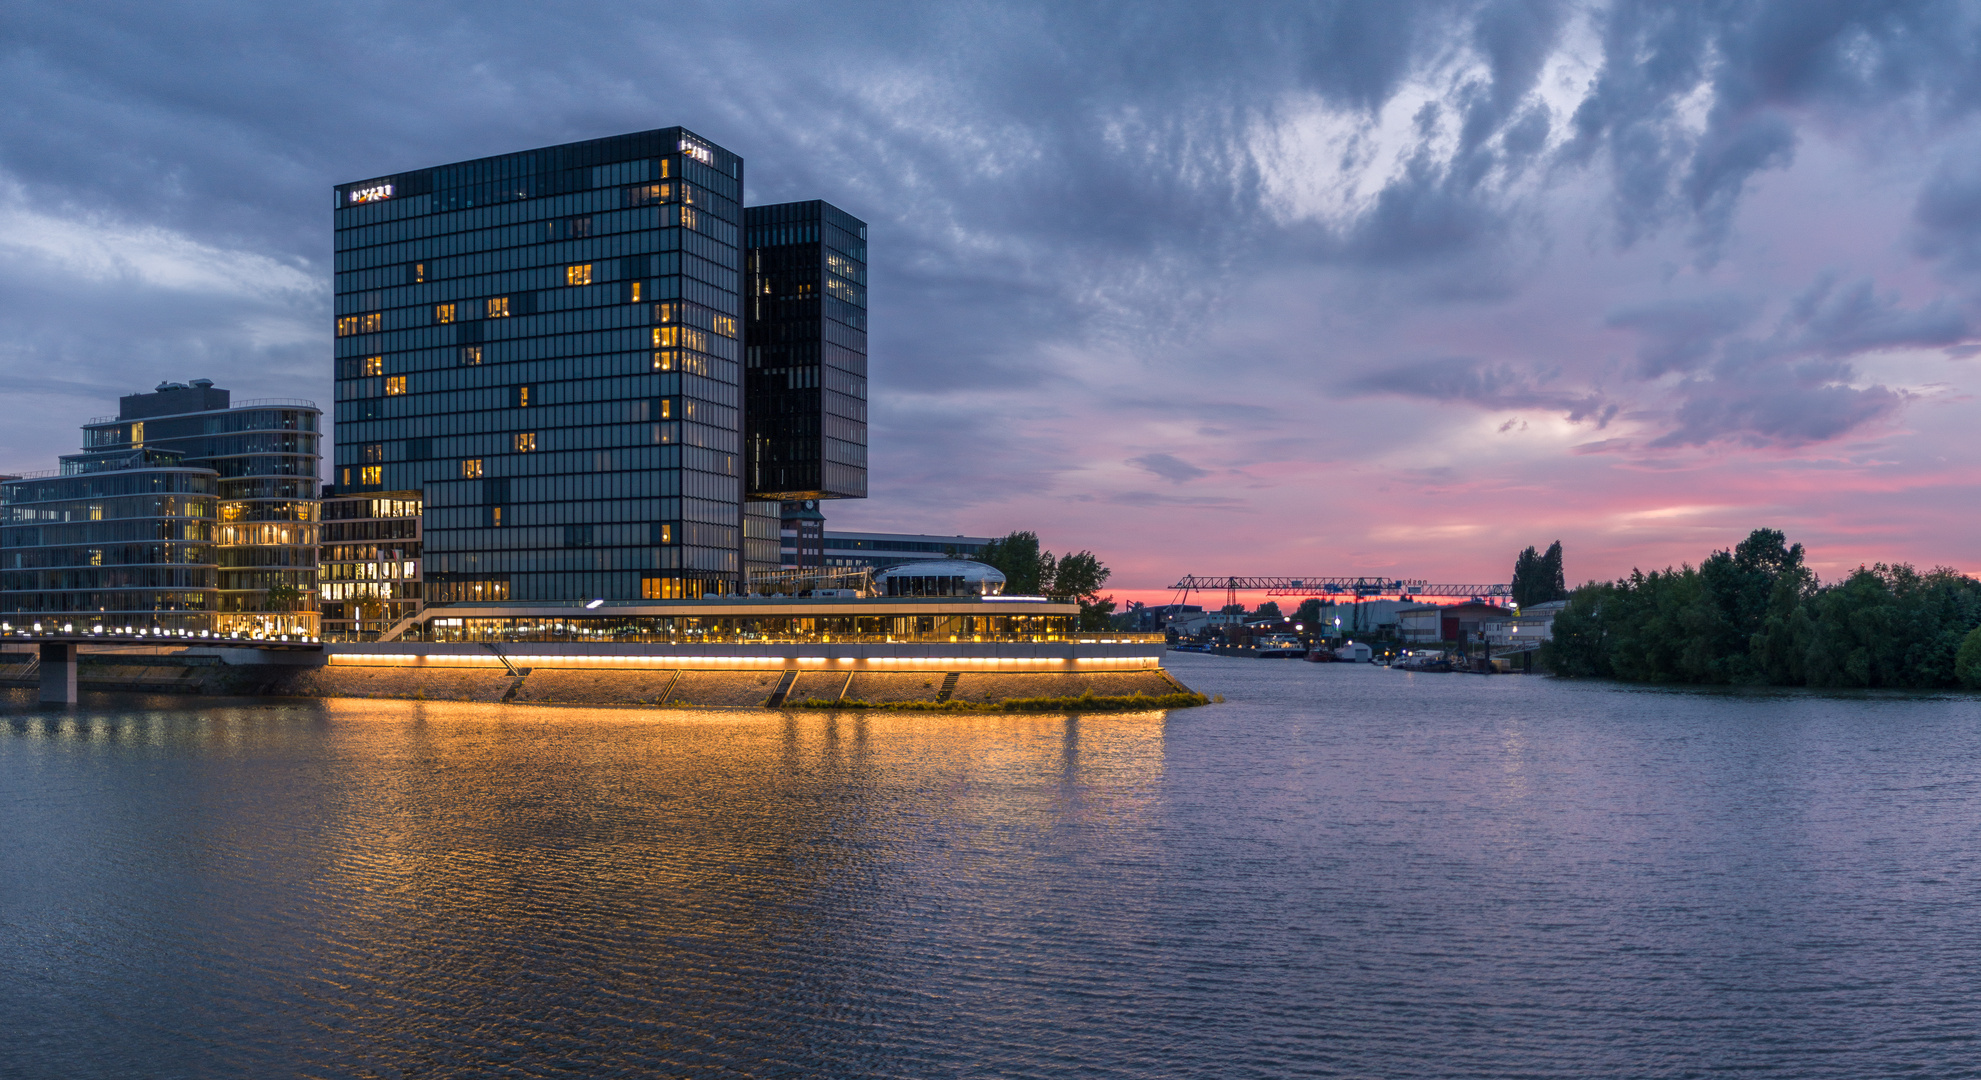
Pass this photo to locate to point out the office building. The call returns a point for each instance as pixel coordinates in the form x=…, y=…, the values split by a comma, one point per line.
x=266, y=454
x=120, y=539
x=877, y=550
x=546, y=345
x=369, y=574
x=805, y=379
x=801, y=536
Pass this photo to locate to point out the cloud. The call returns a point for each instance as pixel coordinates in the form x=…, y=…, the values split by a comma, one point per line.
x=1669, y=222
x=1680, y=335
x=1169, y=467
x=1776, y=405
x=1477, y=382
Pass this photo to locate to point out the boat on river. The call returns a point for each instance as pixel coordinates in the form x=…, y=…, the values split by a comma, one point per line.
x=1278, y=647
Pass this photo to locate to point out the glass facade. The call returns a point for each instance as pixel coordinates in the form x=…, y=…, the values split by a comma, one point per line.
x=123, y=539
x=266, y=453
x=369, y=574
x=847, y=550
x=805, y=382
x=761, y=549
x=932, y=628
x=547, y=346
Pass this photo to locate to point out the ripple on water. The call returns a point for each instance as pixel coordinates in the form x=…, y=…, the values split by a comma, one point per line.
x=1342, y=871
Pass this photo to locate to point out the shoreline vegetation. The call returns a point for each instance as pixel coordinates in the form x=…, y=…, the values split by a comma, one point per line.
x=1757, y=616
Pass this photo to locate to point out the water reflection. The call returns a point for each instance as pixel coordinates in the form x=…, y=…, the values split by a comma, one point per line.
x=472, y=886
x=1342, y=871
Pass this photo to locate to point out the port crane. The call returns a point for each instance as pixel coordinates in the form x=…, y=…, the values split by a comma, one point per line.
x=1331, y=586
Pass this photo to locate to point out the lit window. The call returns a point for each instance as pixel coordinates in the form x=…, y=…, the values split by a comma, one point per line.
x=443, y=313
x=419, y=273
x=471, y=354
x=470, y=468
x=578, y=275
x=370, y=324
x=635, y=291
x=395, y=385
x=666, y=409
x=522, y=397
x=371, y=474
x=374, y=365
x=663, y=361
x=680, y=336
x=347, y=325
x=495, y=517
x=725, y=326
x=374, y=451
x=498, y=308
x=667, y=534
x=526, y=441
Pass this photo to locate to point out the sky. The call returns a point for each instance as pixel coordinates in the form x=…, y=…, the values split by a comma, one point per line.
x=1390, y=288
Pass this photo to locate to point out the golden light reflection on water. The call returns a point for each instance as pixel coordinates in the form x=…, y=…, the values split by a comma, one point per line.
x=708, y=878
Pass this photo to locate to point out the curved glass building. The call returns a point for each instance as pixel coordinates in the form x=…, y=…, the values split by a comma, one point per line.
x=266, y=455
x=114, y=540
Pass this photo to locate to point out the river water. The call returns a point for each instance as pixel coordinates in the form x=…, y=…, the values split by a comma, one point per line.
x=1340, y=871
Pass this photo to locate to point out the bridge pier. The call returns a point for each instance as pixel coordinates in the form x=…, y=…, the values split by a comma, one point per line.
x=58, y=673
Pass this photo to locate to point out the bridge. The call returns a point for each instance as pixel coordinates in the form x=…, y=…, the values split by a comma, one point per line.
x=58, y=647
x=1334, y=585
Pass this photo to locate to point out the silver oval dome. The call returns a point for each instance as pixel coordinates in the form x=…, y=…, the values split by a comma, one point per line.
x=940, y=577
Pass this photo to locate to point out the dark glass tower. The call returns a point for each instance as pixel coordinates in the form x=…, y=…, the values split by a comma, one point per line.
x=547, y=345
x=805, y=388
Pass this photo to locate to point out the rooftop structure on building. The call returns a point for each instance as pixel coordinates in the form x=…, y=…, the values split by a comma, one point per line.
x=879, y=550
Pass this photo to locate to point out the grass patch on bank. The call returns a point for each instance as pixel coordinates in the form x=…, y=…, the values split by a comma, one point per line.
x=1088, y=702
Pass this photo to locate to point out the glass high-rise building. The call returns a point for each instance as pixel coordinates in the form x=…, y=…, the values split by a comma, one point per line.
x=267, y=452
x=547, y=346
x=805, y=384
x=118, y=540
x=185, y=511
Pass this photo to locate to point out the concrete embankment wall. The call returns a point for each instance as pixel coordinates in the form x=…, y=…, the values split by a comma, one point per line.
x=545, y=685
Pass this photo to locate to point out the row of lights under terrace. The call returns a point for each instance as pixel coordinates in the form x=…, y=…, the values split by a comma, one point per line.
x=579, y=372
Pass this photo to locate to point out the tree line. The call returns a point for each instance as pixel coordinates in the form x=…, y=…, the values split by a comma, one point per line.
x=1758, y=615
x=1032, y=571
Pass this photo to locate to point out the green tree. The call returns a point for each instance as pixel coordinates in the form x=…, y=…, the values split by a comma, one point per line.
x=1526, y=571
x=1078, y=578
x=1967, y=662
x=1757, y=614
x=1027, y=570
x=1551, y=579
x=1308, y=613
x=1539, y=578
x=1268, y=610
x=1579, y=647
